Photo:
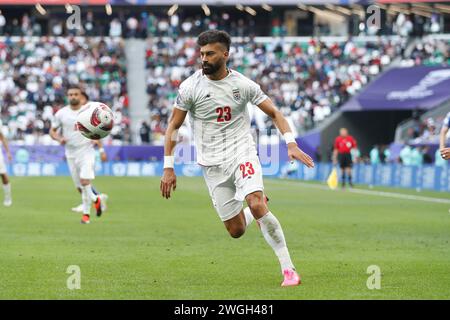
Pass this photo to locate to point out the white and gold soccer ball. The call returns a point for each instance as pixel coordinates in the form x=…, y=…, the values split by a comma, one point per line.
x=95, y=120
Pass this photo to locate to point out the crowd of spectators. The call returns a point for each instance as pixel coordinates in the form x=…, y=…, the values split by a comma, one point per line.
x=307, y=81
x=424, y=130
x=35, y=74
x=429, y=52
x=139, y=25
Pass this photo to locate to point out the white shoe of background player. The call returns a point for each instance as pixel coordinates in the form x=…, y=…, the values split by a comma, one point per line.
x=7, y=202
x=78, y=209
x=103, y=198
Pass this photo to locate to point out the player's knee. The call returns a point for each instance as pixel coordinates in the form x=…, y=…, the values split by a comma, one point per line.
x=256, y=204
x=5, y=179
x=236, y=232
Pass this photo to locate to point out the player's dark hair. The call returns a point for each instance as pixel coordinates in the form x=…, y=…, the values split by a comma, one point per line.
x=214, y=36
x=74, y=87
x=85, y=95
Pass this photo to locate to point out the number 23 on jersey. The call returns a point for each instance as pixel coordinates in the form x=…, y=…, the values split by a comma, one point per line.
x=223, y=114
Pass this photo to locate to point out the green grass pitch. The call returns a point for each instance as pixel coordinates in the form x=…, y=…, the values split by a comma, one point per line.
x=146, y=247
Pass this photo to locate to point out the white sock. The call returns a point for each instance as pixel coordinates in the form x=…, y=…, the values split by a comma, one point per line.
x=273, y=233
x=87, y=197
x=248, y=217
x=90, y=193
x=7, y=190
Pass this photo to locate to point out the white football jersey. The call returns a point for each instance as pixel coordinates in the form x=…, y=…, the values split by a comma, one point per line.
x=1, y=131
x=447, y=121
x=76, y=144
x=219, y=116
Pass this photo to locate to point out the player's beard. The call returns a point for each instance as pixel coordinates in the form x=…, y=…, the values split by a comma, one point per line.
x=74, y=102
x=209, y=68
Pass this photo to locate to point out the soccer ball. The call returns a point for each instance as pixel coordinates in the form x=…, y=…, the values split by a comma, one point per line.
x=95, y=120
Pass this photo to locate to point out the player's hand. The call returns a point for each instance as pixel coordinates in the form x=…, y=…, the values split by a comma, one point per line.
x=445, y=153
x=9, y=156
x=168, y=181
x=294, y=152
x=62, y=141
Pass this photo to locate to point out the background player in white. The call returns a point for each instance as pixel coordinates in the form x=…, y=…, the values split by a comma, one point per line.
x=7, y=201
x=79, y=150
x=104, y=197
x=445, y=152
x=216, y=99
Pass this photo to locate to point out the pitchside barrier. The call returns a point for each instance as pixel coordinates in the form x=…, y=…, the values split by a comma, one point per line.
x=391, y=175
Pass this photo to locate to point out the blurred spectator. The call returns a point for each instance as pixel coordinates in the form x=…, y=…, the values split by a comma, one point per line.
x=438, y=160
x=89, y=25
x=115, y=28
x=132, y=25
x=374, y=155
x=426, y=157
x=144, y=132
x=416, y=157
x=430, y=130
x=2, y=23
x=384, y=154
x=406, y=155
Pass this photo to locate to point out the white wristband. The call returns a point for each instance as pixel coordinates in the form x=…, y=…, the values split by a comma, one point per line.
x=289, y=137
x=101, y=150
x=169, y=161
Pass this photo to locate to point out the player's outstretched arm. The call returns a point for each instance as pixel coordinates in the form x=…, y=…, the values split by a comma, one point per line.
x=445, y=152
x=169, y=179
x=5, y=144
x=56, y=136
x=294, y=152
x=99, y=145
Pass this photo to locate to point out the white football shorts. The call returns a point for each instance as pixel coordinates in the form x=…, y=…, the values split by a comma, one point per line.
x=2, y=163
x=82, y=167
x=229, y=184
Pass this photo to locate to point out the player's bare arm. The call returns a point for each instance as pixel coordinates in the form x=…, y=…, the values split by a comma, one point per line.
x=294, y=152
x=99, y=145
x=169, y=179
x=5, y=144
x=445, y=152
x=56, y=136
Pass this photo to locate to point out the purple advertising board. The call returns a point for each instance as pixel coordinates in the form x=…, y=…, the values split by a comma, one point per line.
x=404, y=89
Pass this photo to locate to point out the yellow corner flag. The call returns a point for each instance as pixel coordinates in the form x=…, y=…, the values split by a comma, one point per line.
x=332, y=180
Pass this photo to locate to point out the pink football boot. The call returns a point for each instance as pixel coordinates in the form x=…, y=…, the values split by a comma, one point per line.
x=291, y=278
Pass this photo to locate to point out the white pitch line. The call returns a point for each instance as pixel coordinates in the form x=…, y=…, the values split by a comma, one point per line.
x=372, y=193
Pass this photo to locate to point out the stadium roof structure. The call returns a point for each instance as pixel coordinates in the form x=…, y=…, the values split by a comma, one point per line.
x=420, y=87
x=234, y=2
x=55, y=2
x=183, y=2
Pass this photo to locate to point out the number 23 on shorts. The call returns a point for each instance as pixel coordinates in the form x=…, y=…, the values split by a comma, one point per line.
x=246, y=169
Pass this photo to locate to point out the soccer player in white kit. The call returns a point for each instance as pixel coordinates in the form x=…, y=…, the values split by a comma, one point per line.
x=80, y=152
x=445, y=152
x=103, y=197
x=216, y=99
x=7, y=200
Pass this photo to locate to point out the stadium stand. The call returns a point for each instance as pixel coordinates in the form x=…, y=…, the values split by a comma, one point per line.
x=35, y=74
x=307, y=79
